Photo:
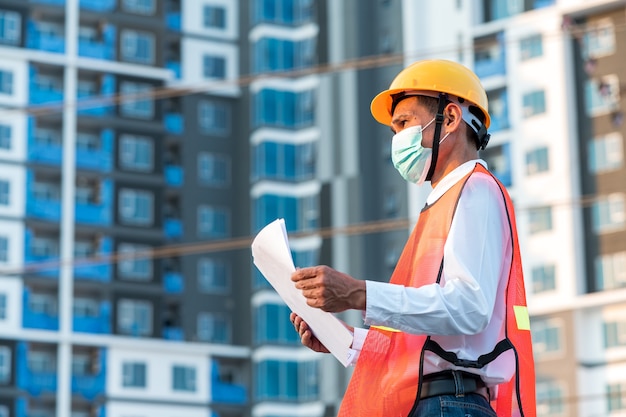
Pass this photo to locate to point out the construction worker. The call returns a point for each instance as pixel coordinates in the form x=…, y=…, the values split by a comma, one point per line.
x=449, y=334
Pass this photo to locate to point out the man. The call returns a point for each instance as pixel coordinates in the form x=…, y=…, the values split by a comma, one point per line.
x=449, y=335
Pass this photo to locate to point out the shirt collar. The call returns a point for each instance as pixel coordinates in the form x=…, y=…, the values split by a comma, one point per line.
x=452, y=178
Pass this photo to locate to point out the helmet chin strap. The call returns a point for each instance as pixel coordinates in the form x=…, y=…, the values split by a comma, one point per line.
x=443, y=101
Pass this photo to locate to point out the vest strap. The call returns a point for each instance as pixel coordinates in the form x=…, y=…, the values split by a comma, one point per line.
x=502, y=346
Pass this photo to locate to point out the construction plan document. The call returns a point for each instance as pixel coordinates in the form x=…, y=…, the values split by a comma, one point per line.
x=272, y=256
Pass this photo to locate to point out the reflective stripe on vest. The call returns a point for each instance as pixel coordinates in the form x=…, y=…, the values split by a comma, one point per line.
x=386, y=378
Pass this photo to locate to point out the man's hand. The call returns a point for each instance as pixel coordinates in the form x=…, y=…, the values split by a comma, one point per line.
x=306, y=335
x=330, y=290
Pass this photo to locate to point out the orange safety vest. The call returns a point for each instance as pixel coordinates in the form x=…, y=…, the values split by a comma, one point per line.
x=387, y=377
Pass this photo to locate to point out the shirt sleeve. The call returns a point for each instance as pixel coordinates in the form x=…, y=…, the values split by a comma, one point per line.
x=359, y=336
x=473, y=265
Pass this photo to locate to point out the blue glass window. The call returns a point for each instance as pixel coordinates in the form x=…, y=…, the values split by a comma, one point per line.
x=134, y=268
x=283, y=11
x=282, y=54
x=531, y=47
x=136, y=207
x=145, y=7
x=5, y=192
x=134, y=374
x=214, y=118
x=4, y=248
x=214, y=67
x=300, y=213
x=134, y=317
x=214, y=17
x=136, y=153
x=284, y=161
x=138, y=107
x=213, y=328
x=214, y=169
x=137, y=46
x=6, y=82
x=213, y=222
x=287, y=380
x=10, y=27
x=5, y=137
x=534, y=103
x=284, y=108
x=537, y=161
x=213, y=275
x=273, y=325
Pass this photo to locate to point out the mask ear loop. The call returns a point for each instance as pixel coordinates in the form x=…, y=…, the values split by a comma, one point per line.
x=443, y=101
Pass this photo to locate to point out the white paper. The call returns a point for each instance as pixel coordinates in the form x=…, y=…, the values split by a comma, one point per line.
x=271, y=254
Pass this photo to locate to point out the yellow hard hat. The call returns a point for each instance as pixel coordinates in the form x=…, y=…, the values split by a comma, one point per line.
x=430, y=77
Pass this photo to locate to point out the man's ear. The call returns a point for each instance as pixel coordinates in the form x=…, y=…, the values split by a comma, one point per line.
x=452, y=116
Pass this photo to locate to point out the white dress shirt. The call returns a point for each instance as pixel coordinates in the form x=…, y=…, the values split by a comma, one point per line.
x=465, y=312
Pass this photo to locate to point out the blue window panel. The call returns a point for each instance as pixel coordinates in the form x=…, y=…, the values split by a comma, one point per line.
x=6, y=82
x=214, y=67
x=300, y=214
x=292, y=380
x=10, y=27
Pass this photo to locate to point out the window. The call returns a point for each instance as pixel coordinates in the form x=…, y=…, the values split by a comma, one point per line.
x=10, y=27
x=214, y=17
x=213, y=275
x=534, y=103
x=4, y=249
x=287, y=109
x=285, y=12
x=134, y=317
x=42, y=361
x=214, y=169
x=134, y=374
x=300, y=213
x=616, y=396
x=48, y=137
x=272, y=325
x=87, y=142
x=44, y=304
x=284, y=161
x=136, y=106
x=614, y=334
x=599, y=39
x=85, y=307
x=539, y=219
x=5, y=364
x=131, y=267
x=498, y=109
x=544, y=278
x=5, y=192
x=214, y=67
x=137, y=153
x=137, y=46
x=610, y=271
x=547, y=335
x=136, y=207
x=498, y=159
x=145, y=7
x=608, y=213
x=213, y=328
x=213, y=222
x=606, y=153
x=271, y=54
x=287, y=380
x=184, y=378
x=531, y=47
x=45, y=247
x=537, y=161
x=602, y=95
x=81, y=364
x=214, y=118
x=5, y=137
x=6, y=82
x=3, y=306
x=550, y=399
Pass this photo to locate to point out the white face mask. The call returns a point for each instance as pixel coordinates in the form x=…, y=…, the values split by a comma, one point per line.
x=409, y=157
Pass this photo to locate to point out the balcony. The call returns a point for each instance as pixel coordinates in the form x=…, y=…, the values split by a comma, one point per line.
x=173, y=228
x=93, y=385
x=174, y=175
x=95, y=325
x=173, y=283
x=37, y=320
x=41, y=38
x=97, y=159
x=175, y=67
x=98, y=5
x=33, y=382
x=44, y=89
x=225, y=393
x=101, y=104
x=489, y=57
x=99, y=50
x=173, y=20
x=174, y=123
x=173, y=333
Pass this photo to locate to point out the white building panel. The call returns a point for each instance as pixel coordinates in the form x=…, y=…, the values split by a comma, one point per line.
x=159, y=365
x=17, y=94
x=12, y=291
x=152, y=409
x=194, y=19
x=15, y=177
x=194, y=55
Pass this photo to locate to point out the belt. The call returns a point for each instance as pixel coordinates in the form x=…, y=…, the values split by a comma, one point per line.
x=456, y=383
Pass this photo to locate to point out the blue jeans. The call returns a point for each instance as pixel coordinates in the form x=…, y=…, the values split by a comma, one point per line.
x=470, y=405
